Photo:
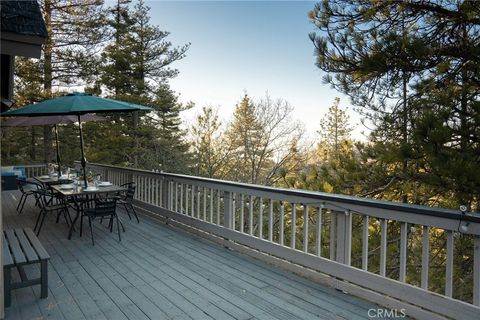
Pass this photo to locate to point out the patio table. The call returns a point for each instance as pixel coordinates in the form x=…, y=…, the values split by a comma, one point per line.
x=78, y=192
x=48, y=180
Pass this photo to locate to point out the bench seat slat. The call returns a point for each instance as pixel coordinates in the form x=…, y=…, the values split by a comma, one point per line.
x=17, y=253
x=40, y=250
x=7, y=257
x=30, y=253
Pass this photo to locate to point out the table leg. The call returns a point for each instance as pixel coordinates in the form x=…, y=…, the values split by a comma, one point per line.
x=78, y=210
x=7, y=278
x=44, y=278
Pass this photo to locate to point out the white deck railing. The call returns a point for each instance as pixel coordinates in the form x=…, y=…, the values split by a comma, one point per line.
x=320, y=230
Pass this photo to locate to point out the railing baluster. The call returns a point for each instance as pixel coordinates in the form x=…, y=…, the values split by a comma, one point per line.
x=365, y=243
x=305, y=228
x=148, y=189
x=449, y=265
x=186, y=198
x=242, y=212
x=425, y=257
x=282, y=223
x=140, y=188
x=293, y=233
x=211, y=204
x=181, y=198
x=170, y=195
x=333, y=227
x=204, y=204
x=176, y=196
x=260, y=218
x=250, y=217
x=348, y=238
x=403, y=251
x=383, y=246
x=218, y=207
x=270, y=221
x=233, y=210
x=152, y=190
x=318, y=232
x=192, y=206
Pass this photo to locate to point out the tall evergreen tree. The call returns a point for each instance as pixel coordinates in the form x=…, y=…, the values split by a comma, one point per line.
x=245, y=138
x=75, y=31
x=335, y=128
x=210, y=150
x=171, y=147
x=136, y=68
x=412, y=67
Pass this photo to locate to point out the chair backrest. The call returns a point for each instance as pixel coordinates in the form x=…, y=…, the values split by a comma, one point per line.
x=105, y=207
x=130, y=193
x=21, y=183
x=41, y=195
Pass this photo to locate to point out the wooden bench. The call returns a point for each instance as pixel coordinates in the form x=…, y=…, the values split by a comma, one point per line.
x=21, y=247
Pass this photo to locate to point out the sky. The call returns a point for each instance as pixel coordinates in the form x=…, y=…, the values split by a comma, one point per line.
x=247, y=46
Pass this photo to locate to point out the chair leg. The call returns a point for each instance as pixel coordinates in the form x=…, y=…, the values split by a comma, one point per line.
x=38, y=220
x=134, y=212
x=41, y=222
x=23, y=204
x=58, y=216
x=91, y=229
x=20, y=201
x=126, y=209
x=81, y=224
x=69, y=216
x=118, y=229
x=65, y=214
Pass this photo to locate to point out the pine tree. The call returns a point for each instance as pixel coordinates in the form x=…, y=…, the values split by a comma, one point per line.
x=171, y=147
x=210, y=150
x=335, y=129
x=69, y=57
x=411, y=68
x=245, y=140
x=136, y=68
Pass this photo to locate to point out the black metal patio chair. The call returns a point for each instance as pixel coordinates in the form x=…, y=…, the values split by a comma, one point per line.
x=126, y=199
x=104, y=208
x=27, y=189
x=44, y=199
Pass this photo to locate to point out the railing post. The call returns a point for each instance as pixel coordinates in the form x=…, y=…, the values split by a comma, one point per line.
x=228, y=208
x=344, y=237
x=476, y=271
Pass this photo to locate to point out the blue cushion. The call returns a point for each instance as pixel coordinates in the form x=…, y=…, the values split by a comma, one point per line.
x=21, y=169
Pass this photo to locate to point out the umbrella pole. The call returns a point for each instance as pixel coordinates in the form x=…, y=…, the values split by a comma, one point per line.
x=58, y=152
x=84, y=161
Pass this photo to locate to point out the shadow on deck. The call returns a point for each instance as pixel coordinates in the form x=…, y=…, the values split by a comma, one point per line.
x=160, y=272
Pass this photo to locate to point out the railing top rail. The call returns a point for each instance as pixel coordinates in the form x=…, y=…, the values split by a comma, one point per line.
x=322, y=196
x=31, y=165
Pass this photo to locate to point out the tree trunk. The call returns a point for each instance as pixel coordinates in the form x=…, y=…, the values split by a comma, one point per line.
x=47, y=79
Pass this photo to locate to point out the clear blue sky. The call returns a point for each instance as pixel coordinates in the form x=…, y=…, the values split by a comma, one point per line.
x=251, y=46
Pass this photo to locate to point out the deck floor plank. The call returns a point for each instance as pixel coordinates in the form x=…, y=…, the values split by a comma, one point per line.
x=160, y=272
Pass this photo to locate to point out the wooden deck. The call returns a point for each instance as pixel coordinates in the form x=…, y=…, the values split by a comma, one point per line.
x=159, y=272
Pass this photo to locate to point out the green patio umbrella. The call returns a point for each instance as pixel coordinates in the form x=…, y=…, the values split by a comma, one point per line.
x=49, y=120
x=76, y=104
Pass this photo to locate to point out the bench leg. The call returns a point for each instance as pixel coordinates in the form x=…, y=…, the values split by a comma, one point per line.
x=44, y=278
x=7, y=278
